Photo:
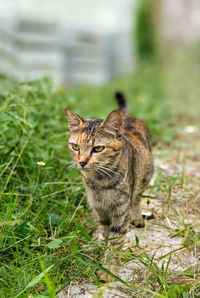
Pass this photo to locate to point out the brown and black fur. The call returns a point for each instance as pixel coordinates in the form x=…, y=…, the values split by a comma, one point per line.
x=116, y=177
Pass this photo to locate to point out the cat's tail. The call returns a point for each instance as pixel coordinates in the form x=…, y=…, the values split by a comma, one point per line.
x=121, y=101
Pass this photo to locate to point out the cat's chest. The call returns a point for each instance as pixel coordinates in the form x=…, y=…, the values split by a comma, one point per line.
x=101, y=198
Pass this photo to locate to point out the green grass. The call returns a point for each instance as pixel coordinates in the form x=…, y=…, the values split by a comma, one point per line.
x=46, y=227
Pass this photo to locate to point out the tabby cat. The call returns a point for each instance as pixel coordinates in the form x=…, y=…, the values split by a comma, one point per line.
x=114, y=157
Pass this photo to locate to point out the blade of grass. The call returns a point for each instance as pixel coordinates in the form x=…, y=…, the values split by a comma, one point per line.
x=12, y=171
x=71, y=279
x=49, y=285
x=35, y=280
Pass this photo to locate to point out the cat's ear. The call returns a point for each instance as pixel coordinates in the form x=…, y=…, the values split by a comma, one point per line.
x=113, y=122
x=74, y=120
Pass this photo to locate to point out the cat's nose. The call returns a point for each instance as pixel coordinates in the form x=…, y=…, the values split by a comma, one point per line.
x=83, y=163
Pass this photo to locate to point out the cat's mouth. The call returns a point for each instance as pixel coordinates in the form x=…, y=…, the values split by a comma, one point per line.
x=86, y=169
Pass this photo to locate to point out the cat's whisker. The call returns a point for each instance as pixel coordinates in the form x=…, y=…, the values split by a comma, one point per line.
x=109, y=170
x=83, y=176
x=108, y=174
x=73, y=166
x=100, y=172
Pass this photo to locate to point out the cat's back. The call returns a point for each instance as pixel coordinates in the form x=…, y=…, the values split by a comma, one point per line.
x=137, y=135
x=136, y=131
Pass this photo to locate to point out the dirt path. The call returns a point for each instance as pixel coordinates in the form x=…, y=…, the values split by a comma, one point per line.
x=172, y=238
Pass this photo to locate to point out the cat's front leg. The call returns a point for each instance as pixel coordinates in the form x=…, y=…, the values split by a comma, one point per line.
x=106, y=226
x=136, y=216
x=120, y=219
x=104, y=220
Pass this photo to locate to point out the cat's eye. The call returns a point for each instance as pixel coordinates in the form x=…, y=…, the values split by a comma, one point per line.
x=75, y=147
x=98, y=149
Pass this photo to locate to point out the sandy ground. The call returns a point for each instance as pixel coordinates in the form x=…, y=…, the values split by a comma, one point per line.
x=182, y=207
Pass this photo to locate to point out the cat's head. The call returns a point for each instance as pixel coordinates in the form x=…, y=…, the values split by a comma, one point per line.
x=95, y=143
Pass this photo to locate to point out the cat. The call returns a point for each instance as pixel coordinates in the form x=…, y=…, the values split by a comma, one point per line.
x=114, y=157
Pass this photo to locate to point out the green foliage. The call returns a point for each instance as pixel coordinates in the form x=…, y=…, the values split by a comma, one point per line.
x=145, y=30
x=35, y=280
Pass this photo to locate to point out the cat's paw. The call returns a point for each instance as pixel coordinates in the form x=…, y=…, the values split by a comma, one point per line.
x=138, y=223
x=98, y=234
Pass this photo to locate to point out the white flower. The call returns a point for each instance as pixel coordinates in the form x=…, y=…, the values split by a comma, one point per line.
x=191, y=129
x=40, y=163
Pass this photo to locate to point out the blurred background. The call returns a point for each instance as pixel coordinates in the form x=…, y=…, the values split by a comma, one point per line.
x=70, y=41
x=94, y=42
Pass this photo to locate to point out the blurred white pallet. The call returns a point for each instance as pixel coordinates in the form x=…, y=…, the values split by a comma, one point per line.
x=38, y=50
x=7, y=46
x=94, y=57
x=30, y=49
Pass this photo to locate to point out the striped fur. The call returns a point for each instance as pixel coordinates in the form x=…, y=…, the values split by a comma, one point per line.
x=115, y=177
